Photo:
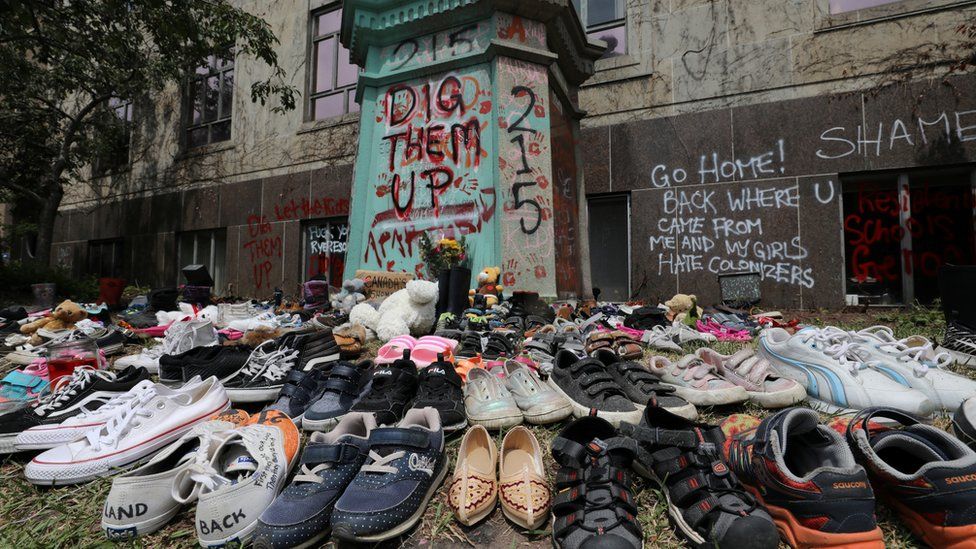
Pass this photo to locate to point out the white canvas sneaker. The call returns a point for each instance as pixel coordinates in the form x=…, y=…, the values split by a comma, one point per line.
x=152, y=417
x=243, y=477
x=179, y=338
x=913, y=362
x=826, y=362
x=146, y=499
x=70, y=410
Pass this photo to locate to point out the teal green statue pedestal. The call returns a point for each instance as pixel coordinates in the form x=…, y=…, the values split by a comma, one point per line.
x=469, y=128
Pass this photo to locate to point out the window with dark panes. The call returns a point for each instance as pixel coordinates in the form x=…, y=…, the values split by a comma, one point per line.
x=105, y=258
x=118, y=131
x=332, y=86
x=324, y=249
x=210, y=98
x=605, y=20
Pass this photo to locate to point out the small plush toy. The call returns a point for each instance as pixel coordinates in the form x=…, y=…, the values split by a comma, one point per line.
x=63, y=317
x=488, y=286
x=350, y=295
x=407, y=311
x=680, y=305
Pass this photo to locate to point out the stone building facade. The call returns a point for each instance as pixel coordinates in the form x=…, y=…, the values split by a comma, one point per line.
x=822, y=147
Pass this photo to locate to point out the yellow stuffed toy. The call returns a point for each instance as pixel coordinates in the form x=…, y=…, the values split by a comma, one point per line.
x=680, y=305
x=63, y=317
x=488, y=287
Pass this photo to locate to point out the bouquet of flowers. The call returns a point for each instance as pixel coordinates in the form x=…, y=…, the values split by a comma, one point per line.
x=442, y=255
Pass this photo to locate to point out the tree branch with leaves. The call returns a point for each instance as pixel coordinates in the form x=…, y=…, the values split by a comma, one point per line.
x=62, y=60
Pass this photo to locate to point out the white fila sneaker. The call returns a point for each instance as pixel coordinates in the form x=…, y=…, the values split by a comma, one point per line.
x=244, y=476
x=151, y=418
x=145, y=499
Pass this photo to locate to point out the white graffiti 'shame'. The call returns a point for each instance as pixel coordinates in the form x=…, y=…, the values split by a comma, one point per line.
x=840, y=141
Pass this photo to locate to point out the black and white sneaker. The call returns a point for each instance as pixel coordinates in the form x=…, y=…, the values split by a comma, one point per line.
x=264, y=373
x=591, y=389
x=38, y=427
x=214, y=360
x=391, y=389
x=111, y=343
x=960, y=343
x=439, y=387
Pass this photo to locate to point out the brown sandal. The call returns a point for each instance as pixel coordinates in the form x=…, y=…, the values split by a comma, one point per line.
x=598, y=340
x=626, y=347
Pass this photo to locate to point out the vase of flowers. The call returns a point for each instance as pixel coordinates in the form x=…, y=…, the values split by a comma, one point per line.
x=446, y=261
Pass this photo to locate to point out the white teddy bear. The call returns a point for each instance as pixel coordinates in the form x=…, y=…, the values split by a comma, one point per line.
x=407, y=311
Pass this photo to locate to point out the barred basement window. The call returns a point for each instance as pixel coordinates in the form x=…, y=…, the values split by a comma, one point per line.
x=207, y=248
x=209, y=99
x=105, y=258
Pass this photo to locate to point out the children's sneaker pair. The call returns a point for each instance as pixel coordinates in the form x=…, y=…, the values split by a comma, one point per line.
x=233, y=466
x=366, y=483
x=497, y=403
x=820, y=488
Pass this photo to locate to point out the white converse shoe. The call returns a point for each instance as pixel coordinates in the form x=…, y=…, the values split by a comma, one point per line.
x=148, y=418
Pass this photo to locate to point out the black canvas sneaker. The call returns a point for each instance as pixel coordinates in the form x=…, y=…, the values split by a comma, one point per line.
x=263, y=375
x=960, y=342
x=391, y=389
x=38, y=427
x=212, y=360
x=439, y=387
x=588, y=385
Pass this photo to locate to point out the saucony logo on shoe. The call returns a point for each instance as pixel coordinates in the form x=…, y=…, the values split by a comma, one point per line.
x=418, y=462
x=228, y=522
x=961, y=479
x=849, y=485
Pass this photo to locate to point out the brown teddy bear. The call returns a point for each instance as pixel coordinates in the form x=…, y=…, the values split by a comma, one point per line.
x=681, y=305
x=488, y=287
x=63, y=317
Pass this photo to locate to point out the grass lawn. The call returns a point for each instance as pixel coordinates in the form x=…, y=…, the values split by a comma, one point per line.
x=70, y=517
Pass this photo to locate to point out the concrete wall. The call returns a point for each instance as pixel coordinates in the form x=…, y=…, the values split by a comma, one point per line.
x=758, y=81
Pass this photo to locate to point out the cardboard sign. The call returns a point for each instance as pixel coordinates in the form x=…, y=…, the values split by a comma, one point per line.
x=383, y=283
